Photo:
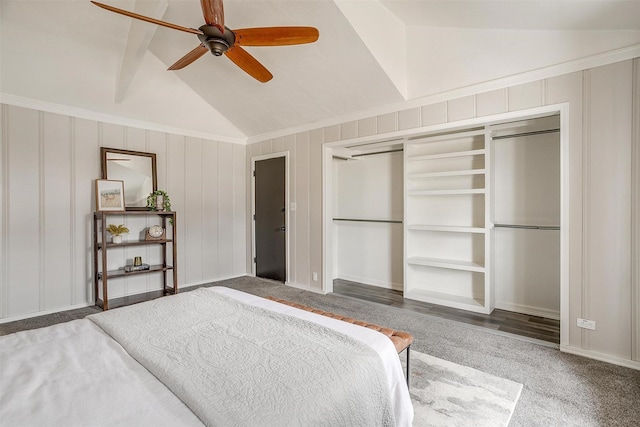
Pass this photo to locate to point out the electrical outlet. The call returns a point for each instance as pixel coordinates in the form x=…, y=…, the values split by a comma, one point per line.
x=315, y=276
x=587, y=324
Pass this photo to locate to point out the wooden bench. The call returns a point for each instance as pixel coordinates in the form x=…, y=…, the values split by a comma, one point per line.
x=401, y=340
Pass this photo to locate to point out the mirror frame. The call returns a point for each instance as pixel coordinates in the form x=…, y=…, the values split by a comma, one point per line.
x=104, y=151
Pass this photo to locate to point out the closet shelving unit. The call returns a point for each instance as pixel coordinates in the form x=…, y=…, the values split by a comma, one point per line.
x=447, y=237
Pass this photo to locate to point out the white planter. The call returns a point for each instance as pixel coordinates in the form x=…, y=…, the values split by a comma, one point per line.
x=160, y=203
x=116, y=239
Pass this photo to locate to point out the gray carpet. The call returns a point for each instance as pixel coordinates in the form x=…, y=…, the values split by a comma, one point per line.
x=559, y=389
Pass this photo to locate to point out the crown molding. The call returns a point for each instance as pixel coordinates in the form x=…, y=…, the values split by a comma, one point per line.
x=49, y=107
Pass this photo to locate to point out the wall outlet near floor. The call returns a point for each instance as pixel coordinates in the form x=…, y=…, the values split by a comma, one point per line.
x=587, y=324
x=315, y=276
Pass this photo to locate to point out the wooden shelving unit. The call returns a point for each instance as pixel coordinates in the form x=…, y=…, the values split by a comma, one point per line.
x=101, y=250
x=447, y=242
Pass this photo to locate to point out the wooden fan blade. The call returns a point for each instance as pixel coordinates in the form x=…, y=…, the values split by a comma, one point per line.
x=146, y=18
x=248, y=63
x=189, y=57
x=276, y=36
x=213, y=12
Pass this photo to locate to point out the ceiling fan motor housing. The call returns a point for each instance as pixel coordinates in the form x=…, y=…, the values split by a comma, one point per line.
x=216, y=41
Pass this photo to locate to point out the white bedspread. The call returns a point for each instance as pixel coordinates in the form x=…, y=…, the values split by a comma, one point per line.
x=239, y=364
x=401, y=400
x=74, y=374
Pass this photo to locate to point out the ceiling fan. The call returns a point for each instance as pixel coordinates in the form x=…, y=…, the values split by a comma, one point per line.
x=218, y=39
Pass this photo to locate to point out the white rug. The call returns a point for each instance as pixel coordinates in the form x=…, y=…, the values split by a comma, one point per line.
x=447, y=394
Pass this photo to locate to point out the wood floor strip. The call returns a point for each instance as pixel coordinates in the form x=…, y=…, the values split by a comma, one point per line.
x=500, y=320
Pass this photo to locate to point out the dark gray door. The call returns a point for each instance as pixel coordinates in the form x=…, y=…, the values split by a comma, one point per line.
x=270, y=219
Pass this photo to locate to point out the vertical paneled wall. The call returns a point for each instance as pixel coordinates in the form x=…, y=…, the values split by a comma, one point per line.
x=607, y=196
x=603, y=128
x=48, y=165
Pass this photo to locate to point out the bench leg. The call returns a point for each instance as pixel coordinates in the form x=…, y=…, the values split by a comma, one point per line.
x=408, y=374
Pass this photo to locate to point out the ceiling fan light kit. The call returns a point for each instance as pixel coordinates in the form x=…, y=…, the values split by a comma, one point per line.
x=218, y=39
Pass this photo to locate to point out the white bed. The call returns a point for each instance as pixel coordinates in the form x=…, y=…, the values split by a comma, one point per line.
x=75, y=374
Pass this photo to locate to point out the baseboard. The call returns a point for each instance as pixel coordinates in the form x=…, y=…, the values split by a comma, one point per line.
x=372, y=282
x=204, y=282
x=297, y=286
x=602, y=357
x=526, y=309
x=45, y=312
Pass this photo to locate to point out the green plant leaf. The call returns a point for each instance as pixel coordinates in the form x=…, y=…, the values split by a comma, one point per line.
x=117, y=230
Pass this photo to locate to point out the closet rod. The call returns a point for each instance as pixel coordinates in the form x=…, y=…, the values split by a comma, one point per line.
x=537, y=132
x=391, y=221
x=528, y=227
x=377, y=152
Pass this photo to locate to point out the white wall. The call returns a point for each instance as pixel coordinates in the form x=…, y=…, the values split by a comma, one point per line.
x=526, y=276
x=369, y=188
x=603, y=130
x=48, y=166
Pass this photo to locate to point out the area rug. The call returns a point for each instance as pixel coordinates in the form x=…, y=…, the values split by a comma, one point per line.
x=447, y=394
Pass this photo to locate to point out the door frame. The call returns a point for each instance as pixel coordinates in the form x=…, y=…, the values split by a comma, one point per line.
x=255, y=159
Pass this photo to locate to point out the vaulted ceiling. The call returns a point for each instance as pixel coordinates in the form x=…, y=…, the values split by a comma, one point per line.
x=370, y=54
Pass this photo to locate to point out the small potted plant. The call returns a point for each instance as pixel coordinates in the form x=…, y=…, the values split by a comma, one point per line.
x=159, y=201
x=117, y=231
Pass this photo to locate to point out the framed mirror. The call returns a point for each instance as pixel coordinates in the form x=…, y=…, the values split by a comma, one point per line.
x=138, y=171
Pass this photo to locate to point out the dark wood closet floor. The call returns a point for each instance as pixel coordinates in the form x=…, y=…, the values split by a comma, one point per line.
x=500, y=320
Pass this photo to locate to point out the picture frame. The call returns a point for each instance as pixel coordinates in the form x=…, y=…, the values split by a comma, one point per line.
x=109, y=195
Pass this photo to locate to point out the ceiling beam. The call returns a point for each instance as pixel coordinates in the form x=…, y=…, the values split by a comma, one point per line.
x=140, y=36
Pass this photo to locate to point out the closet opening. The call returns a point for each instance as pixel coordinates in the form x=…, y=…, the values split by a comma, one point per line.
x=461, y=223
x=368, y=216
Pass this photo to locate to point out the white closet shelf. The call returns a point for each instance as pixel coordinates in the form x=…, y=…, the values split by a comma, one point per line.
x=446, y=263
x=446, y=173
x=449, y=300
x=449, y=228
x=446, y=192
x=478, y=152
